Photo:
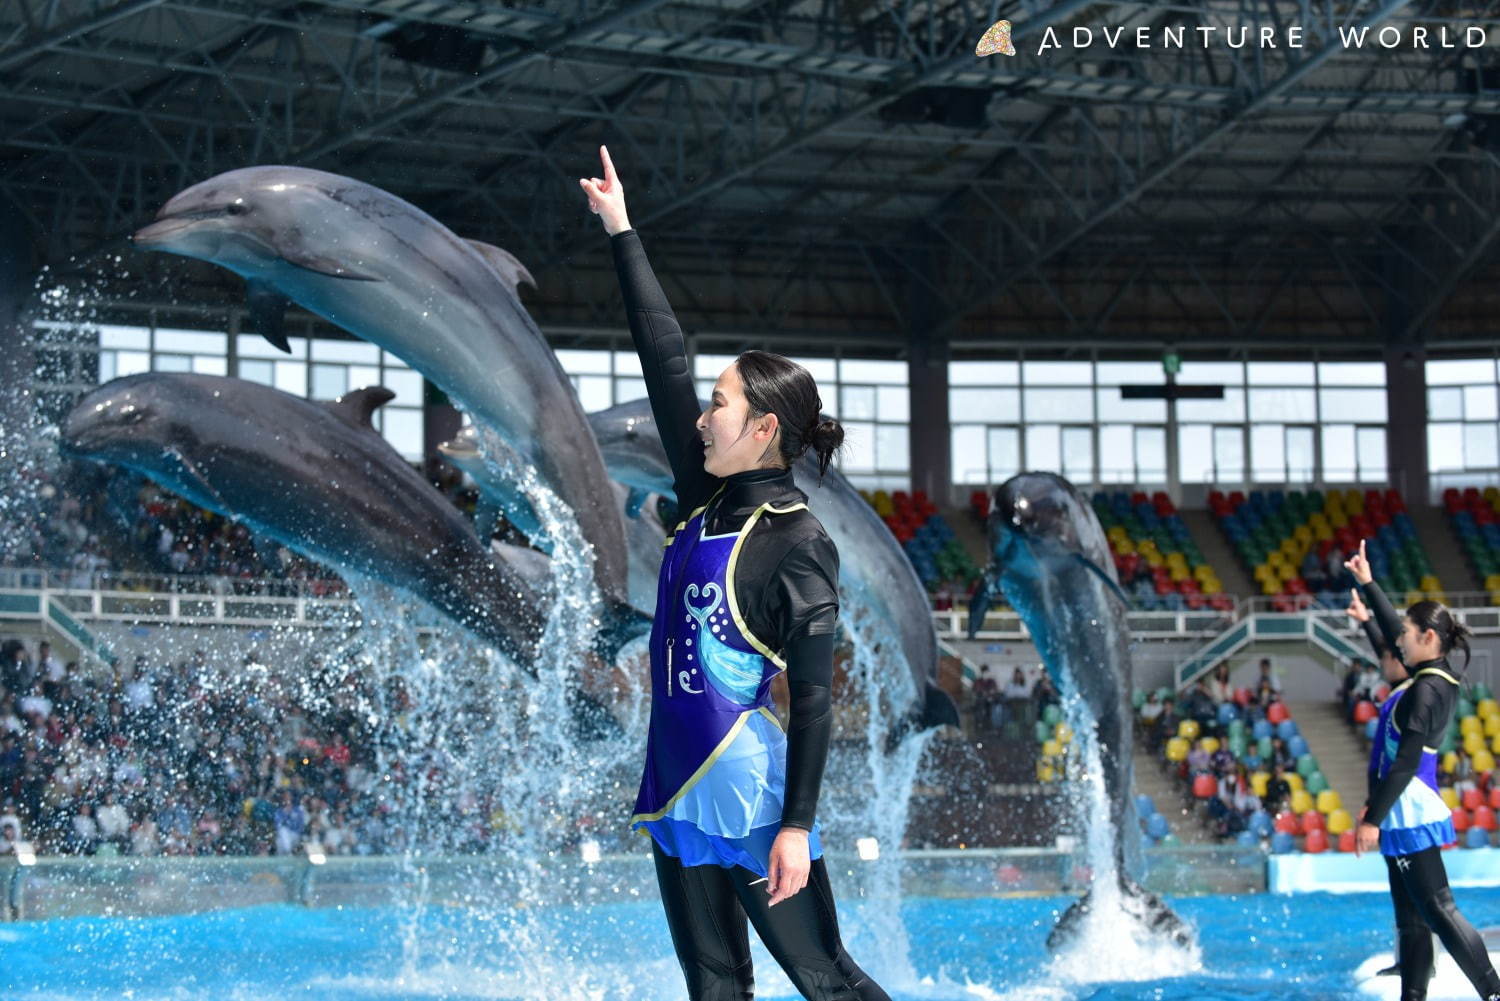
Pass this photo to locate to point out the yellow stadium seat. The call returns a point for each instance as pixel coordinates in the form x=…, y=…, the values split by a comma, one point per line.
x=1302, y=801
x=1440, y=596
x=1450, y=761
x=1260, y=782
x=1337, y=520
x=1339, y=821
x=1412, y=597
x=1178, y=574
x=1276, y=559
x=1354, y=501
x=1317, y=521
x=1495, y=596
x=1492, y=726
x=1177, y=749
x=1303, y=535
x=1203, y=571
x=1270, y=587
x=1287, y=573
x=1323, y=534
x=1043, y=772
x=1429, y=583
x=1492, y=494
x=1209, y=744
x=1487, y=707
x=1328, y=801
x=1051, y=748
x=1189, y=728
x=1492, y=582
x=1474, y=743
x=1450, y=796
x=1263, y=572
x=1062, y=733
x=1470, y=724
x=1484, y=760
x=1126, y=548
x=1294, y=782
x=1495, y=745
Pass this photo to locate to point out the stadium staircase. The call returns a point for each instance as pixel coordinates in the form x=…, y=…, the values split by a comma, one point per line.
x=1211, y=540
x=1342, y=757
x=1448, y=560
x=43, y=613
x=1169, y=797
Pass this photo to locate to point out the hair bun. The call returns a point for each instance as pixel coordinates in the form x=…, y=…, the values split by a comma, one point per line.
x=826, y=436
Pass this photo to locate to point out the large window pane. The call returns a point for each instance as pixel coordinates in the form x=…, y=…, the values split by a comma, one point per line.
x=1355, y=405
x=1351, y=373
x=1372, y=455
x=1339, y=464
x=349, y=352
x=1078, y=454
x=402, y=427
x=857, y=403
x=1059, y=405
x=1044, y=447
x=1116, y=453
x=190, y=342
x=130, y=338
x=1281, y=373
x=1286, y=405
x=1230, y=374
x=329, y=381
x=1112, y=408
x=580, y=362
x=892, y=448
x=1195, y=453
x=1268, y=453
x=1004, y=454
x=1445, y=447
x=210, y=366
x=1229, y=455
x=1151, y=455
x=859, y=447
x=1481, y=449
x=1301, y=460
x=1479, y=403
x=967, y=442
x=257, y=371
x=132, y=362
x=1445, y=404
x=892, y=373
x=406, y=384
x=1115, y=373
x=594, y=391
x=984, y=405
x=173, y=363
x=893, y=404
x=1057, y=373
x=1457, y=372
x=1230, y=408
x=984, y=373
x=291, y=377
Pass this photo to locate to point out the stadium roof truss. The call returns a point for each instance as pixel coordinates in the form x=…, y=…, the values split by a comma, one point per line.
x=841, y=169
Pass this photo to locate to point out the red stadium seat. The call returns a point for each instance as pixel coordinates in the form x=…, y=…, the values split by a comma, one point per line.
x=1316, y=842
x=1205, y=786
x=1288, y=823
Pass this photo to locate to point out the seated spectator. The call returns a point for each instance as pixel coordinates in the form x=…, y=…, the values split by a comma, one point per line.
x=1268, y=677
x=1281, y=757
x=291, y=822
x=1198, y=705
x=1017, y=695
x=1198, y=760
x=986, y=694
x=1166, y=725
x=1463, y=772
x=1278, y=791
x=85, y=834
x=1044, y=694
x=1151, y=711
x=1369, y=682
x=10, y=836
x=1219, y=689
x=114, y=822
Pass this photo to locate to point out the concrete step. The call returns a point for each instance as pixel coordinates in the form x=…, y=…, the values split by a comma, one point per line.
x=1448, y=561
x=1210, y=539
x=1338, y=747
x=1170, y=798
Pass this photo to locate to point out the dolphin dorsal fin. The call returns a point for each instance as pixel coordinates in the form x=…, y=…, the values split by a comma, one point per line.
x=503, y=261
x=355, y=407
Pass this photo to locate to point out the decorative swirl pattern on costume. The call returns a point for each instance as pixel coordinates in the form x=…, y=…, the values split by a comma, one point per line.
x=736, y=674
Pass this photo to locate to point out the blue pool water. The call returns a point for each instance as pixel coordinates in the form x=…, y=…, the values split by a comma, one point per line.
x=1253, y=947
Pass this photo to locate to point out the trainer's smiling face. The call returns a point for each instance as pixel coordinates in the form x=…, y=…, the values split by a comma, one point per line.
x=733, y=441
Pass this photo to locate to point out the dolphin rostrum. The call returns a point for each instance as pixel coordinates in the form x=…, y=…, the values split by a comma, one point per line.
x=315, y=477
x=873, y=570
x=1050, y=557
x=389, y=273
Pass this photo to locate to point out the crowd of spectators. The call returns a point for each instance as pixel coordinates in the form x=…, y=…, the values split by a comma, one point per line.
x=1229, y=763
x=1020, y=699
x=192, y=759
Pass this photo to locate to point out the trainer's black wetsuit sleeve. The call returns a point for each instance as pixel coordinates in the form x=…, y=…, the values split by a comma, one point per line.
x=1372, y=633
x=1384, y=615
x=806, y=605
x=1421, y=707
x=664, y=365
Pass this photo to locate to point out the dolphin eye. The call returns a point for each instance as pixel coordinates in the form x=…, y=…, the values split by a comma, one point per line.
x=237, y=208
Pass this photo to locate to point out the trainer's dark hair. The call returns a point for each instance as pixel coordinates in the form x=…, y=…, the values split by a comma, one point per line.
x=1451, y=633
x=777, y=385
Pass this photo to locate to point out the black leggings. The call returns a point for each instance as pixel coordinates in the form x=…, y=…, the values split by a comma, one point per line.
x=706, y=909
x=1424, y=904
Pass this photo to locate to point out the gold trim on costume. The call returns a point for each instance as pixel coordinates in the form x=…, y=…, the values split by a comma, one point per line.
x=734, y=556
x=693, y=514
x=1437, y=671
x=708, y=763
x=768, y=714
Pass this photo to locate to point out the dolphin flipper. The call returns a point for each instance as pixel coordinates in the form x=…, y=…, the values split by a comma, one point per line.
x=938, y=708
x=620, y=624
x=486, y=518
x=268, y=313
x=984, y=596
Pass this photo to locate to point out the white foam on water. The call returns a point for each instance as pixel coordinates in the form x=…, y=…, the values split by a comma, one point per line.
x=1448, y=981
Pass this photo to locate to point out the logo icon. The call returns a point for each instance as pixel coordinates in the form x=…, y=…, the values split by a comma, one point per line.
x=997, y=39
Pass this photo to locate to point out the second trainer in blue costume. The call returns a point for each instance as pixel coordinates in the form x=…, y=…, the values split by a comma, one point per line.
x=1404, y=816
x=748, y=589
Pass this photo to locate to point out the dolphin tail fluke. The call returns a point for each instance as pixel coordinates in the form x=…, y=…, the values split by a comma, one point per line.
x=1148, y=915
x=621, y=624
x=938, y=708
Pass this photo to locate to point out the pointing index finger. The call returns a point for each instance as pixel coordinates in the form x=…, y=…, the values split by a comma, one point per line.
x=609, y=165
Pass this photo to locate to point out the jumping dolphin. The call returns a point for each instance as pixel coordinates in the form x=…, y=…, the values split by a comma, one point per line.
x=873, y=571
x=317, y=478
x=1051, y=559
x=389, y=273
